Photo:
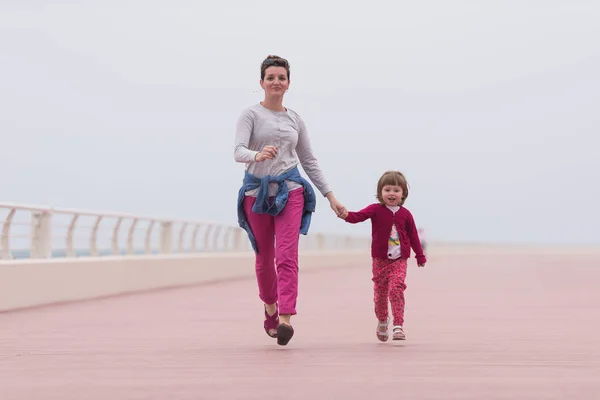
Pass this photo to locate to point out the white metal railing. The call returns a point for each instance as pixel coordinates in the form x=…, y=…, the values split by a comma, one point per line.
x=44, y=238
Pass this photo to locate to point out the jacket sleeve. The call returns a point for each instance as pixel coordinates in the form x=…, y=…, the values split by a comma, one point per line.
x=355, y=217
x=415, y=241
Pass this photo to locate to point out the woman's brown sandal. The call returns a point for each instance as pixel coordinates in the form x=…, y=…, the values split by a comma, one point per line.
x=284, y=334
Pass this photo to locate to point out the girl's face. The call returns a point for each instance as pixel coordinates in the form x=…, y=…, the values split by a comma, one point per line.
x=392, y=195
x=275, y=82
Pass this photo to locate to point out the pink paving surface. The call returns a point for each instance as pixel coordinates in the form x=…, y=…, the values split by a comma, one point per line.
x=478, y=327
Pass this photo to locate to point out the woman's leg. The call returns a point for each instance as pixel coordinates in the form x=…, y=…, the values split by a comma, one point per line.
x=263, y=229
x=287, y=234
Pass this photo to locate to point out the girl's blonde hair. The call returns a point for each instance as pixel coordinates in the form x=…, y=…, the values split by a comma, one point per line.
x=395, y=178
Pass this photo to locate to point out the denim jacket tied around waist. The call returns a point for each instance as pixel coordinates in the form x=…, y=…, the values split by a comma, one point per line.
x=264, y=205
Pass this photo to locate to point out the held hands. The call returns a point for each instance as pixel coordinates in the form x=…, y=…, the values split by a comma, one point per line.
x=336, y=206
x=267, y=153
x=270, y=152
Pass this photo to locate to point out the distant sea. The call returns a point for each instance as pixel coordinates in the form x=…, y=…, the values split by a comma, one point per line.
x=23, y=254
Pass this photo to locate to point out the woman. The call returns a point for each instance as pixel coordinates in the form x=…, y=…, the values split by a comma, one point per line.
x=275, y=201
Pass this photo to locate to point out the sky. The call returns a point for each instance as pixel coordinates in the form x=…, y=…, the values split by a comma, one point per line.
x=491, y=109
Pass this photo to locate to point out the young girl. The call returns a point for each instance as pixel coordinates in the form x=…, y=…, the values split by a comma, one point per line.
x=393, y=234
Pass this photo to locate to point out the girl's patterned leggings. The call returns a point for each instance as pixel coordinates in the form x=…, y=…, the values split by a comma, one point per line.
x=388, y=277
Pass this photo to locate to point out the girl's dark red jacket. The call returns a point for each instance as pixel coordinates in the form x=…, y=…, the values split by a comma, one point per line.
x=382, y=219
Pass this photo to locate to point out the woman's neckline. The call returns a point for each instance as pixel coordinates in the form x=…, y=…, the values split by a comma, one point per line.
x=275, y=111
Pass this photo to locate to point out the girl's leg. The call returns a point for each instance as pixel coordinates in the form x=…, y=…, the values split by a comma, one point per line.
x=287, y=233
x=263, y=229
x=380, y=281
x=396, y=290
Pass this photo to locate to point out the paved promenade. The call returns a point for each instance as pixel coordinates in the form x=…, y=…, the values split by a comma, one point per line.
x=478, y=327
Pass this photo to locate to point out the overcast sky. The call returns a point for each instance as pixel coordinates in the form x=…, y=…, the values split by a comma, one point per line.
x=491, y=108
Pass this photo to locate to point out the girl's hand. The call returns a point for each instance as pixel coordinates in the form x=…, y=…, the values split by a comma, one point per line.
x=421, y=265
x=267, y=153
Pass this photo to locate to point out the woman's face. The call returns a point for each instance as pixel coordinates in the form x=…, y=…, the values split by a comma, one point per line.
x=276, y=82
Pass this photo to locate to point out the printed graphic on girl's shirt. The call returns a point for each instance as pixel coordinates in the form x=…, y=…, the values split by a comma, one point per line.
x=394, y=238
x=394, y=244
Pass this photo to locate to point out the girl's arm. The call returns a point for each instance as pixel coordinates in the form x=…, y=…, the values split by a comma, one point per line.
x=415, y=241
x=355, y=217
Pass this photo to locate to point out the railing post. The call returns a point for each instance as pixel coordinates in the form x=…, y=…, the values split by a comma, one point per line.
x=41, y=234
x=6, y=254
x=180, y=248
x=239, y=239
x=320, y=241
x=147, y=244
x=166, y=235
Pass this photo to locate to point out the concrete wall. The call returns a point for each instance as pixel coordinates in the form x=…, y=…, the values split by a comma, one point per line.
x=29, y=283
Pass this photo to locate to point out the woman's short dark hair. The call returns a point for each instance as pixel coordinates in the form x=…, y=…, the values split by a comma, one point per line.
x=274, y=61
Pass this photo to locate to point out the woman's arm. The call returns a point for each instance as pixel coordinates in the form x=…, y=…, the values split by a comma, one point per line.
x=309, y=162
x=242, y=153
x=313, y=170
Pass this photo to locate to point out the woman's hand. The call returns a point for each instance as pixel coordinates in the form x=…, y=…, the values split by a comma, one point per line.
x=336, y=206
x=267, y=153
